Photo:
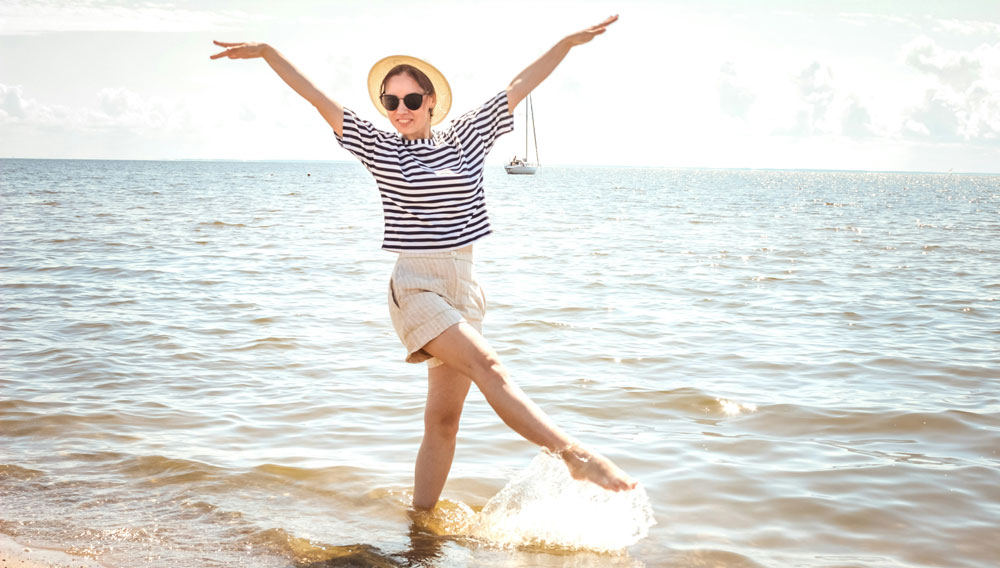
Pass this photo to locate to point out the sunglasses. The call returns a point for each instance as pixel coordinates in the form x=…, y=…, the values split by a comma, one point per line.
x=413, y=101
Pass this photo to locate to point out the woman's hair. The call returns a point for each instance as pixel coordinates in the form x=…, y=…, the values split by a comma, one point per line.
x=415, y=74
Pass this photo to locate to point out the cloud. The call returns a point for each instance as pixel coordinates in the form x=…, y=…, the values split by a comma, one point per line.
x=15, y=108
x=22, y=17
x=816, y=85
x=960, y=104
x=117, y=122
x=820, y=107
x=954, y=68
x=117, y=109
x=735, y=99
x=116, y=102
x=923, y=22
x=983, y=98
x=816, y=93
x=865, y=19
x=968, y=27
x=937, y=118
x=856, y=121
x=11, y=102
x=963, y=101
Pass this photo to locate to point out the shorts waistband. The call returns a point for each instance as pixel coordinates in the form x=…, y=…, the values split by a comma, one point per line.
x=464, y=253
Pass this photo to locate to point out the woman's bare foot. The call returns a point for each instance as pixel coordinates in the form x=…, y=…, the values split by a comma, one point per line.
x=585, y=465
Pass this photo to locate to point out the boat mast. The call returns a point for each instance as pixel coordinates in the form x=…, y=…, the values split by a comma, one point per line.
x=527, y=111
x=533, y=133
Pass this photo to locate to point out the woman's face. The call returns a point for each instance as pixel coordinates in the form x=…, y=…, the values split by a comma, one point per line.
x=412, y=124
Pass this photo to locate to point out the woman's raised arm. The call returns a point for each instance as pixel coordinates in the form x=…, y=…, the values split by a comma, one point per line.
x=329, y=108
x=535, y=73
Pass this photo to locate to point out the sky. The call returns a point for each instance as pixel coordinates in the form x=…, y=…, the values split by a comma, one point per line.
x=891, y=85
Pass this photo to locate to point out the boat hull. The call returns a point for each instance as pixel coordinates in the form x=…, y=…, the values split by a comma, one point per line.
x=521, y=170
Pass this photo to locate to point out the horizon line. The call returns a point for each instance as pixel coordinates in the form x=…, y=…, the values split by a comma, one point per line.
x=658, y=167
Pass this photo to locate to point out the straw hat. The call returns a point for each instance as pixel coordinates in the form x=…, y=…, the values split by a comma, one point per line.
x=441, y=87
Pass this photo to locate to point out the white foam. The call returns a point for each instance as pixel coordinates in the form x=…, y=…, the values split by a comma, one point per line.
x=731, y=408
x=544, y=506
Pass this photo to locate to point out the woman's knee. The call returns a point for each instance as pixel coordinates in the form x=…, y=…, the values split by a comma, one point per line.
x=491, y=371
x=443, y=425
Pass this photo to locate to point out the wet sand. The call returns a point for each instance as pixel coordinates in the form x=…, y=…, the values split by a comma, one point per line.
x=16, y=555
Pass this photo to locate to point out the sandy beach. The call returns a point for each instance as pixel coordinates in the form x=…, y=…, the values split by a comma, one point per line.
x=14, y=554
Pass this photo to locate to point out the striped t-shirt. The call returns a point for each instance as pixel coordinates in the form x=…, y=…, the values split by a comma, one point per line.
x=432, y=189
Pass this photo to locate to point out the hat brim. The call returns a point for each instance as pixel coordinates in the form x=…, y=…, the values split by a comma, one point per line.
x=442, y=89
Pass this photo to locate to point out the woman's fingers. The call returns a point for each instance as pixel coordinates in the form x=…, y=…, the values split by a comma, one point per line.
x=608, y=22
x=243, y=50
x=591, y=32
x=225, y=53
x=601, y=27
x=224, y=44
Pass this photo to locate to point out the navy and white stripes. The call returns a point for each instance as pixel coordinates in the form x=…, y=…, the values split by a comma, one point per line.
x=432, y=189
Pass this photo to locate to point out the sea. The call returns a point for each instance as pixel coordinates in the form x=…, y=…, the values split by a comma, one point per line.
x=801, y=368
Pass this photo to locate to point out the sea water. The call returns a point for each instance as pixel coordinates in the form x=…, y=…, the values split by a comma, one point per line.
x=197, y=369
x=543, y=506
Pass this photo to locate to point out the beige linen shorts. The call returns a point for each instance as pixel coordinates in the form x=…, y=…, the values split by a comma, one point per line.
x=430, y=292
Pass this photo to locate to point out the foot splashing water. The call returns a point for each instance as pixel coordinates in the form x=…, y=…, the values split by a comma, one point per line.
x=544, y=506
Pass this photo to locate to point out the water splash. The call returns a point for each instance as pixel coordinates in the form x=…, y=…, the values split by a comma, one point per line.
x=544, y=506
x=731, y=408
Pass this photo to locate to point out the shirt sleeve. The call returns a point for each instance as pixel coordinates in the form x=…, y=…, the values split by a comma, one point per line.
x=488, y=122
x=359, y=137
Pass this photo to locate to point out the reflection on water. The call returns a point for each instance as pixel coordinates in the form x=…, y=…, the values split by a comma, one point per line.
x=308, y=554
x=425, y=546
x=731, y=408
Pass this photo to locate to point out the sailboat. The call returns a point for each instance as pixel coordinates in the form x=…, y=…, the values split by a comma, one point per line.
x=517, y=165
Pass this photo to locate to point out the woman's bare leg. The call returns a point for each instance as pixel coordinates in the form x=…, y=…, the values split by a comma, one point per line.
x=446, y=391
x=463, y=349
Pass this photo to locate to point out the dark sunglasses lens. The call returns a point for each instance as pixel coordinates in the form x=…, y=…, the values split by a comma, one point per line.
x=391, y=102
x=413, y=101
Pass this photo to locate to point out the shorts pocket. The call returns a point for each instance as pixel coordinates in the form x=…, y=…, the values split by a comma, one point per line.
x=392, y=293
x=482, y=298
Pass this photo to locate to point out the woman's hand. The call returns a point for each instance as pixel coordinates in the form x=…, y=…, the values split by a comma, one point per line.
x=245, y=50
x=331, y=110
x=582, y=37
x=540, y=69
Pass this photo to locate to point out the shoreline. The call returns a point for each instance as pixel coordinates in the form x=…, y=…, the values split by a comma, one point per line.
x=14, y=554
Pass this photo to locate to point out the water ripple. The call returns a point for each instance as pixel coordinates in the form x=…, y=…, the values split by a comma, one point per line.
x=192, y=375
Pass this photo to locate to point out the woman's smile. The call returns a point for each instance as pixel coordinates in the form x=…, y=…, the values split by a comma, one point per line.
x=411, y=124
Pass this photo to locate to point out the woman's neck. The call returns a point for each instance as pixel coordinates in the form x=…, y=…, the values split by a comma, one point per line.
x=425, y=135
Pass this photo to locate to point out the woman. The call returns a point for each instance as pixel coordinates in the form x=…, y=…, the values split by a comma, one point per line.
x=432, y=192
